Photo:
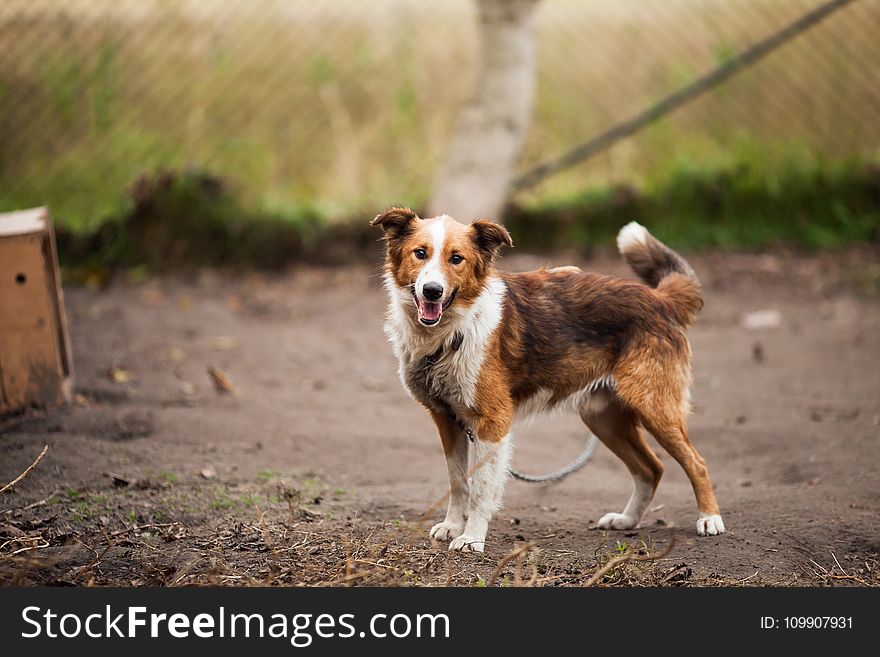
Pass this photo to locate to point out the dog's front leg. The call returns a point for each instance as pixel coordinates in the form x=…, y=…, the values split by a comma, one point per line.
x=491, y=458
x=455, y=446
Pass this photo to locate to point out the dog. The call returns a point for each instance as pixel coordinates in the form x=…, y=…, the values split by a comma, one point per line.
x=481, y=349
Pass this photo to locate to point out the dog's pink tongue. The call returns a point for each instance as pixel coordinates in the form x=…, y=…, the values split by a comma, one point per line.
x=431, y=311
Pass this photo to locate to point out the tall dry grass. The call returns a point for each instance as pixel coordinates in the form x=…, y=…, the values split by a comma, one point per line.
x=338, y=106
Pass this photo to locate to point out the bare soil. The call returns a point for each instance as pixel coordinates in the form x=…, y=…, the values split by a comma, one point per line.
x=314, y=467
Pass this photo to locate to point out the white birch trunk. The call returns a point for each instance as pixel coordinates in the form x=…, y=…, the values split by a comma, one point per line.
x=475, y=176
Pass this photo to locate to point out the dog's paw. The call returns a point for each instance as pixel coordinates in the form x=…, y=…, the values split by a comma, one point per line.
x=446, y=530
x=465, y=543
x=710, y=525
x=616, y=521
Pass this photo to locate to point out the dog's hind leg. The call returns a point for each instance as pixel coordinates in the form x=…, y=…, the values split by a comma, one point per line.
x=455, y=447
x=670, y=430
x=617, y=427
x=491, y=459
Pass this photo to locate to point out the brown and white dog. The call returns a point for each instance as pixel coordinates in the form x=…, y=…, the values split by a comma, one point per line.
x=481, y=349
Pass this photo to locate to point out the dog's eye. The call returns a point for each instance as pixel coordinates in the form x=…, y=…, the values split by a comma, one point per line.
x=456, y=259
x=421, y=254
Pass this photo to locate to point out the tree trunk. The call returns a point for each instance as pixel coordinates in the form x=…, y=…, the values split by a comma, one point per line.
x=475, y=177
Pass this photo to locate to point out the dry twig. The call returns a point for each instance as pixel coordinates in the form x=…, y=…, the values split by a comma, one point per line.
x=517, y=554
x=33, y=505
x=222, y=382
x=26, y=472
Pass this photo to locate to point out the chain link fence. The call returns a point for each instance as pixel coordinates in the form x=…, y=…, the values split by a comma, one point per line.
x=349, y=104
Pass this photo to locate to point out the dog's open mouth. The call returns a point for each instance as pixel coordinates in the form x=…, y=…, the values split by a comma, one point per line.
x=431, y=311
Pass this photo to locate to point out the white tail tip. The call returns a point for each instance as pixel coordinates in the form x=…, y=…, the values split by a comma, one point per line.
x=631, y=235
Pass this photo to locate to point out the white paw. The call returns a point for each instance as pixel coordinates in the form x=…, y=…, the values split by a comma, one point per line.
x=710, y=525
x=465, y=543
x=616, y=521
x=446, y=530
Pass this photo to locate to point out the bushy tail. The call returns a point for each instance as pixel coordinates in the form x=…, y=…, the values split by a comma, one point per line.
x=661, y=268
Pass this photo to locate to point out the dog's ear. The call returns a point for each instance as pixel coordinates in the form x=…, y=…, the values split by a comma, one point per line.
x=396, y=222
x=489, y=237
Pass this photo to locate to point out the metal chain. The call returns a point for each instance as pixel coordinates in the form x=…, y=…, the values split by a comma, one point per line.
x=563, y=472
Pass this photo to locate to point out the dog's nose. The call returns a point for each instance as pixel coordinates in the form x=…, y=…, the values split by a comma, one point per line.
x=432, y=291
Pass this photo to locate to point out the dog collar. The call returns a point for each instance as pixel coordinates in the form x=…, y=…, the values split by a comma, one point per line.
x=455, y=345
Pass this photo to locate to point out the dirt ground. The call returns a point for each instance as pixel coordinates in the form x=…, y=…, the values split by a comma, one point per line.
x=316, y=468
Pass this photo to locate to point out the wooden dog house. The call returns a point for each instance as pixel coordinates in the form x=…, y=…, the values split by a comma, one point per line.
x=36, y=367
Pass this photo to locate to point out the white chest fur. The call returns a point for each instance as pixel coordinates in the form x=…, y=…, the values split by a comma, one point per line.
x=451, y=377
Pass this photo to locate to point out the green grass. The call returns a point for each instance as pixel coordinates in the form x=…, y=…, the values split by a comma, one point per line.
x=738, y=206
x=221, y=500
x=169, y=477
x=265, y=476
x=744, y=198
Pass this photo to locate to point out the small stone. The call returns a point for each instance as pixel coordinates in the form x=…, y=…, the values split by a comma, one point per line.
x=761, y=319
x=120, y=481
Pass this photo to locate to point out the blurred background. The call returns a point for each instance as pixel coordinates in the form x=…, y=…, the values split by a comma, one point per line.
x=246, y=131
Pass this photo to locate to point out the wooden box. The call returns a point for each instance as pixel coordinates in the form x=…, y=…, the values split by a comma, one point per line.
x=36, y=368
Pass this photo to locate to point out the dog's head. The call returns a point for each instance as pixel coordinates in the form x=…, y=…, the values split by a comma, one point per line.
x=439, y=261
